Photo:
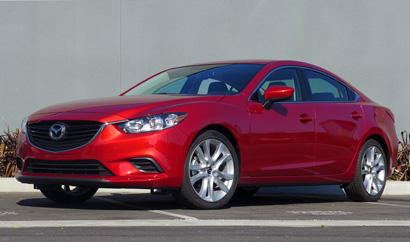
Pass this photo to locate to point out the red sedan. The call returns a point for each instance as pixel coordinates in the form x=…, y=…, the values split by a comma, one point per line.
x=202, y=132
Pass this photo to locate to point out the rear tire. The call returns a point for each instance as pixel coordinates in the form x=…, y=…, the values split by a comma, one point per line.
x=68, y=194
x=370, y=179
x=211, y=172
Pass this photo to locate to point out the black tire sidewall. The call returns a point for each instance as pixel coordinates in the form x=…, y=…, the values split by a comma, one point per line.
x=57, y=194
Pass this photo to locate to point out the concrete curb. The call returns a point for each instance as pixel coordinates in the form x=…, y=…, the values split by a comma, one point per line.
x=392, y=188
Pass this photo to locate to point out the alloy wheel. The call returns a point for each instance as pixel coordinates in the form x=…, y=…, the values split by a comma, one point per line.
x=211, y=170
x=373, y=170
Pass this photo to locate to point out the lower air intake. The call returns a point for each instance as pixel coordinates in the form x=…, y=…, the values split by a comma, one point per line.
x=67, y=167
x=147, y=165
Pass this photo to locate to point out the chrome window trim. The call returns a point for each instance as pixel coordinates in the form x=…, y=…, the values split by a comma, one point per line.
x=307, y=101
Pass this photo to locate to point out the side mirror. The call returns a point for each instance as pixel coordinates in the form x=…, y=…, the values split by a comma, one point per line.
x=277, y=94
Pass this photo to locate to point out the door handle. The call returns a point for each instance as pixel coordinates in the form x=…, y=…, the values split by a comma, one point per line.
x=355, y=115
x=304, y=118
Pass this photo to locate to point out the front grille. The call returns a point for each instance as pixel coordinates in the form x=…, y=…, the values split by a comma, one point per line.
x=77, y=134
x=67, y=167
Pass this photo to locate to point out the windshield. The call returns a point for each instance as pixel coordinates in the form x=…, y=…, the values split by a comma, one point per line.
x=225, y=79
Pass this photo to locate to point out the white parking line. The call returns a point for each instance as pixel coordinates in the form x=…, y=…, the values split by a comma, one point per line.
x=204, y=223
x=321, y=213
x=388, y=204
x=153, y=211
x=7, y=213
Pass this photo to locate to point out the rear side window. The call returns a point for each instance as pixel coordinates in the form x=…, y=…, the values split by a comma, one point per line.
x=324, y=88
x=343, y=91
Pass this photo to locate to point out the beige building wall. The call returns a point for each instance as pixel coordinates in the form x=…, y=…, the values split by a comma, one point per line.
x=56, y=51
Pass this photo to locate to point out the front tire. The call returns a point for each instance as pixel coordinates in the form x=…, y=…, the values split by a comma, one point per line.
x=370, y=179
x=68, y=194
x=211, y=172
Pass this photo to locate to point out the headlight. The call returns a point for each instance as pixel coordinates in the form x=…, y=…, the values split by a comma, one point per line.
x=152, y=123
x=23, y=125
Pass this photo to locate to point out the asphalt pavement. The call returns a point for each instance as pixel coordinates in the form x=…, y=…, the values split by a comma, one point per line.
x=267, y=216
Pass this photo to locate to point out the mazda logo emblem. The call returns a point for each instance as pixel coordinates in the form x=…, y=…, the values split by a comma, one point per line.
x=57, y=131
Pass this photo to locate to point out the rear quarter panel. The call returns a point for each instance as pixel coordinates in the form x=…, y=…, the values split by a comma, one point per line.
x=379, y=124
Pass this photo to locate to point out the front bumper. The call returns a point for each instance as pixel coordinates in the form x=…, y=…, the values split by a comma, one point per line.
x=116, y=151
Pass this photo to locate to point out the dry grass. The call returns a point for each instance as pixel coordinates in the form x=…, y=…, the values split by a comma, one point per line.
x=402, y=170
x=8, y=152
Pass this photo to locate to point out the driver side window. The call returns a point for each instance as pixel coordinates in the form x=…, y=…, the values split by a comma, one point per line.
x=283, y=77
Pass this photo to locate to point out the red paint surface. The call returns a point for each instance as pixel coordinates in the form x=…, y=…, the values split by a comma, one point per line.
x=292, y=143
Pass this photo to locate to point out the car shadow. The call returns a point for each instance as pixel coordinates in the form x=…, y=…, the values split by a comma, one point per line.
x=114, y=201
x=118, y=201
x=285, y=199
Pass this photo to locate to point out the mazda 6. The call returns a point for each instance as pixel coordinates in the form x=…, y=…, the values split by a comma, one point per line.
x=207, y=132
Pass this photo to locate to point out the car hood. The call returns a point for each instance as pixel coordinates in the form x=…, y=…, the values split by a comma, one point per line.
x=116, y=108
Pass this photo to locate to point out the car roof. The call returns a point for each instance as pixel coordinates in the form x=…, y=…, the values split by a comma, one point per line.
x=274, y=63
x=263, y=62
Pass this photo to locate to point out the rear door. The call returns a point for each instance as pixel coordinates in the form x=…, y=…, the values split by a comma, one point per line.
x=339, y=122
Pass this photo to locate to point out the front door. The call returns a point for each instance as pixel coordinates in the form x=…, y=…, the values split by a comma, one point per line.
x=282, y=138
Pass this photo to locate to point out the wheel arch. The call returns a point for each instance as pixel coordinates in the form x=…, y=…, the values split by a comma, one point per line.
x=228, y=134
x=384, y=145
